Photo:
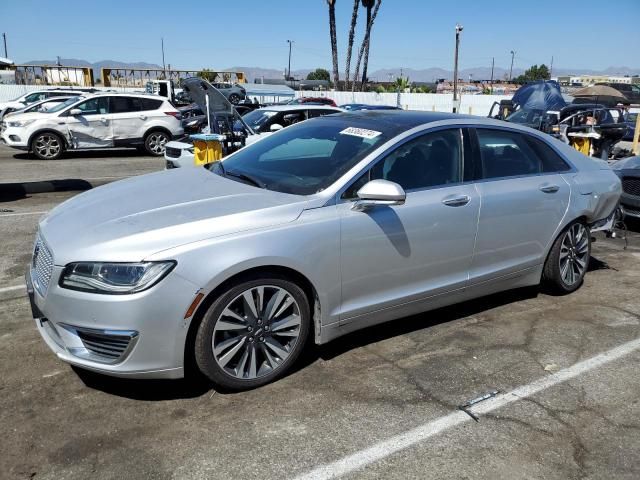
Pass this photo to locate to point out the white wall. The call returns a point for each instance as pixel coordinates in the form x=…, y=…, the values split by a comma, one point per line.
x=437, y=102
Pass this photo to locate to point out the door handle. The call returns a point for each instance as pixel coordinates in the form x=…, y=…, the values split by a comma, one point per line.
x=104, y=120
x=549, y=188
x=143, y=117
x=456, y=200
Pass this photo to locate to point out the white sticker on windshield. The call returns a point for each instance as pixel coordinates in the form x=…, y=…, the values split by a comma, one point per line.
x=360, y=132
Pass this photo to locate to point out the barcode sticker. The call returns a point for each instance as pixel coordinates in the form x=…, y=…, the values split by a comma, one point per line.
x=360, y=132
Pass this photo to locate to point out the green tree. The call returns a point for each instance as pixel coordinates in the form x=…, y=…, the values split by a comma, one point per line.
x=319, y=74
x=534, y=73
x=402, y=83
x=207, y=74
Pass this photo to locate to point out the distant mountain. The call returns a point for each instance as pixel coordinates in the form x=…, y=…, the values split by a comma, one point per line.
x=254, y=74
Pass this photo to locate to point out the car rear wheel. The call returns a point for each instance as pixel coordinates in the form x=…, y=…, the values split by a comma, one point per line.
x=568, y=260
x=47, y=146
x=234, y=98
x=253, y=332
x=155, y=142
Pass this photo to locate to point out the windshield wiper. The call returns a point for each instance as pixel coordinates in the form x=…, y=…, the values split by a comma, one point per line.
x=246, y=178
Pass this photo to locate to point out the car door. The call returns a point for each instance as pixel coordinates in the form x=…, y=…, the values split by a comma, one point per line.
x=392, y=255
x=127, y=119
x=91, y=128
x=524, y=199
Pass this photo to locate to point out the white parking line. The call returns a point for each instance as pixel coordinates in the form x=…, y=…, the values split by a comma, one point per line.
x=11, y=289
x=423, y=432
x=23, y=213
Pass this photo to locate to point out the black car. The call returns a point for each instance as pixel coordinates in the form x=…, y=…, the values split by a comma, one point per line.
x=628, y=169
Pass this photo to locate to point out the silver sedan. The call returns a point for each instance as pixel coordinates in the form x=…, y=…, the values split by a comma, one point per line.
x=323, y=228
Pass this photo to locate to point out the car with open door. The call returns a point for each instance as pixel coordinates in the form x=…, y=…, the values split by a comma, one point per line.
x=322, y=228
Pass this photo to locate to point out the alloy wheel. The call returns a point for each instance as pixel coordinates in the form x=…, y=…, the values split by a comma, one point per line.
x=47, y=146
x=574, y=254
x=156, y=143
x=256, y=332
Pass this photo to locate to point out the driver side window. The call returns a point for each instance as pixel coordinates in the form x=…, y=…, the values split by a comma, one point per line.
x=430, y=160
x=94, y=106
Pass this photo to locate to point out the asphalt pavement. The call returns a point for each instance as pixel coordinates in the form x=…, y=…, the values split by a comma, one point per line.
x=379, y=403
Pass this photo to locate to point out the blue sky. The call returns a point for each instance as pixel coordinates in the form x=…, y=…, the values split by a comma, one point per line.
x=410, y=33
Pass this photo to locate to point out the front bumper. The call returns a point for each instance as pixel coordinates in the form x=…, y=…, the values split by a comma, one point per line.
x=14, y=137
x=177, y=155
x=138, y=336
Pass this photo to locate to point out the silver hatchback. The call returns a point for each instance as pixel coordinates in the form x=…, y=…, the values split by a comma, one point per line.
x=323, y=228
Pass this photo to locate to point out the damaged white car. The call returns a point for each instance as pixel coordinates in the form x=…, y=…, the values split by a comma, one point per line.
x=108, y=120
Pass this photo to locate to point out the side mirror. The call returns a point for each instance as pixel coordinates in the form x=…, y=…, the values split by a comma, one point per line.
x=75, y=111
x=275, y=127
x=379, y=192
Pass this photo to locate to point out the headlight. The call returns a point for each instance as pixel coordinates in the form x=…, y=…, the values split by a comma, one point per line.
x=192, y=123
x=20, y=123
x=114, y=278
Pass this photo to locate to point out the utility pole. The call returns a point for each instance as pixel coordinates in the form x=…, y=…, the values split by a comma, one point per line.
x=164, y=68
x=551, y=68
x=59, y=60
x=455, y=69
x=513, y=54
x=290, y=42
x=4, y=37
x=493, y=60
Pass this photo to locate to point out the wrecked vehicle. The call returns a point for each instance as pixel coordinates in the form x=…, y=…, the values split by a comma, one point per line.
x=592, y=129
x=628, y=169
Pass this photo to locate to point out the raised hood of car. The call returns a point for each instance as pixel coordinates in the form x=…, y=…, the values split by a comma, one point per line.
x=132, y=219
x=17, y=116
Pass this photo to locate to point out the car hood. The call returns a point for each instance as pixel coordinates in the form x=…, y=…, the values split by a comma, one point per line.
x=132, y=219
x=16, y=116
x=630, y=163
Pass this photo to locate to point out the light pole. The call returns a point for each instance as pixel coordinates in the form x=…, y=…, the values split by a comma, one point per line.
x=513, y=54
x=290, y=42
x=455, y=69
x=4, y=37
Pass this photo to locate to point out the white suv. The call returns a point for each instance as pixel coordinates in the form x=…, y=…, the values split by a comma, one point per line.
x=100, y=120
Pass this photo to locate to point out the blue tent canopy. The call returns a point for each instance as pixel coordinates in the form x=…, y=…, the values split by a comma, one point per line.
x=540, y=95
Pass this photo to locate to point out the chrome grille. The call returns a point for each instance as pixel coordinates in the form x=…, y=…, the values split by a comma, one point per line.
x=631, y=185
x=173, y=152
x=108, y=347
x=41, y=265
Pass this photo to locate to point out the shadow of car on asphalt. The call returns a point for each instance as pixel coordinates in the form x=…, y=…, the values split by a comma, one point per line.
x=195, y=384
x=87, y=154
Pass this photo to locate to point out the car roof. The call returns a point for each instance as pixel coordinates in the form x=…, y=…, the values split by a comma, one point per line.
x=294, y=107
x=399, y=120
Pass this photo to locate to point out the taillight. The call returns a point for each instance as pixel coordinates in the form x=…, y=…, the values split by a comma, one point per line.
x=174, y=115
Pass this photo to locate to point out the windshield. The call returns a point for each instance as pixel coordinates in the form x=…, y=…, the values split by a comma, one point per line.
x=65, y=104
x=302, y=159
x=255, y=119
x=526, y=116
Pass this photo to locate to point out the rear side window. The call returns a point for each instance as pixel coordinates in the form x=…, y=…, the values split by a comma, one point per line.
x=551, y=161
x=150, y=103
x=123, y=105
x=511, y=154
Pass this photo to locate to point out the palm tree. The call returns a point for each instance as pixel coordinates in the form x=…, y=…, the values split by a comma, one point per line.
x=352, y=31
x=368, y=4
x=365, y=42
x=334, y=40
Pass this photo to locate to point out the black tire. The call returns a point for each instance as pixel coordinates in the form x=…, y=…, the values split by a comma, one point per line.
x=234, y=98
x=229, y=380
x=47, y=146
x=554, y=278
x=155, y=141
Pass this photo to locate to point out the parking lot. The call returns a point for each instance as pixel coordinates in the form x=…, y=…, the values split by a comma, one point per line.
x=379, y=403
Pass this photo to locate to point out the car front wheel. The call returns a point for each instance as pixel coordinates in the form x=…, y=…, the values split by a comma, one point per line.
x=47, y=146
x=234, y=98
x=155, y=142
x=253, y=332
x=568, y=260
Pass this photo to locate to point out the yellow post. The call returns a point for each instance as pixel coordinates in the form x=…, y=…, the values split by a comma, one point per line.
x=636, y=134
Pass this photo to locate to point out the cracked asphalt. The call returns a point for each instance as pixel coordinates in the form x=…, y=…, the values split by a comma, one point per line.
x=61, y=423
